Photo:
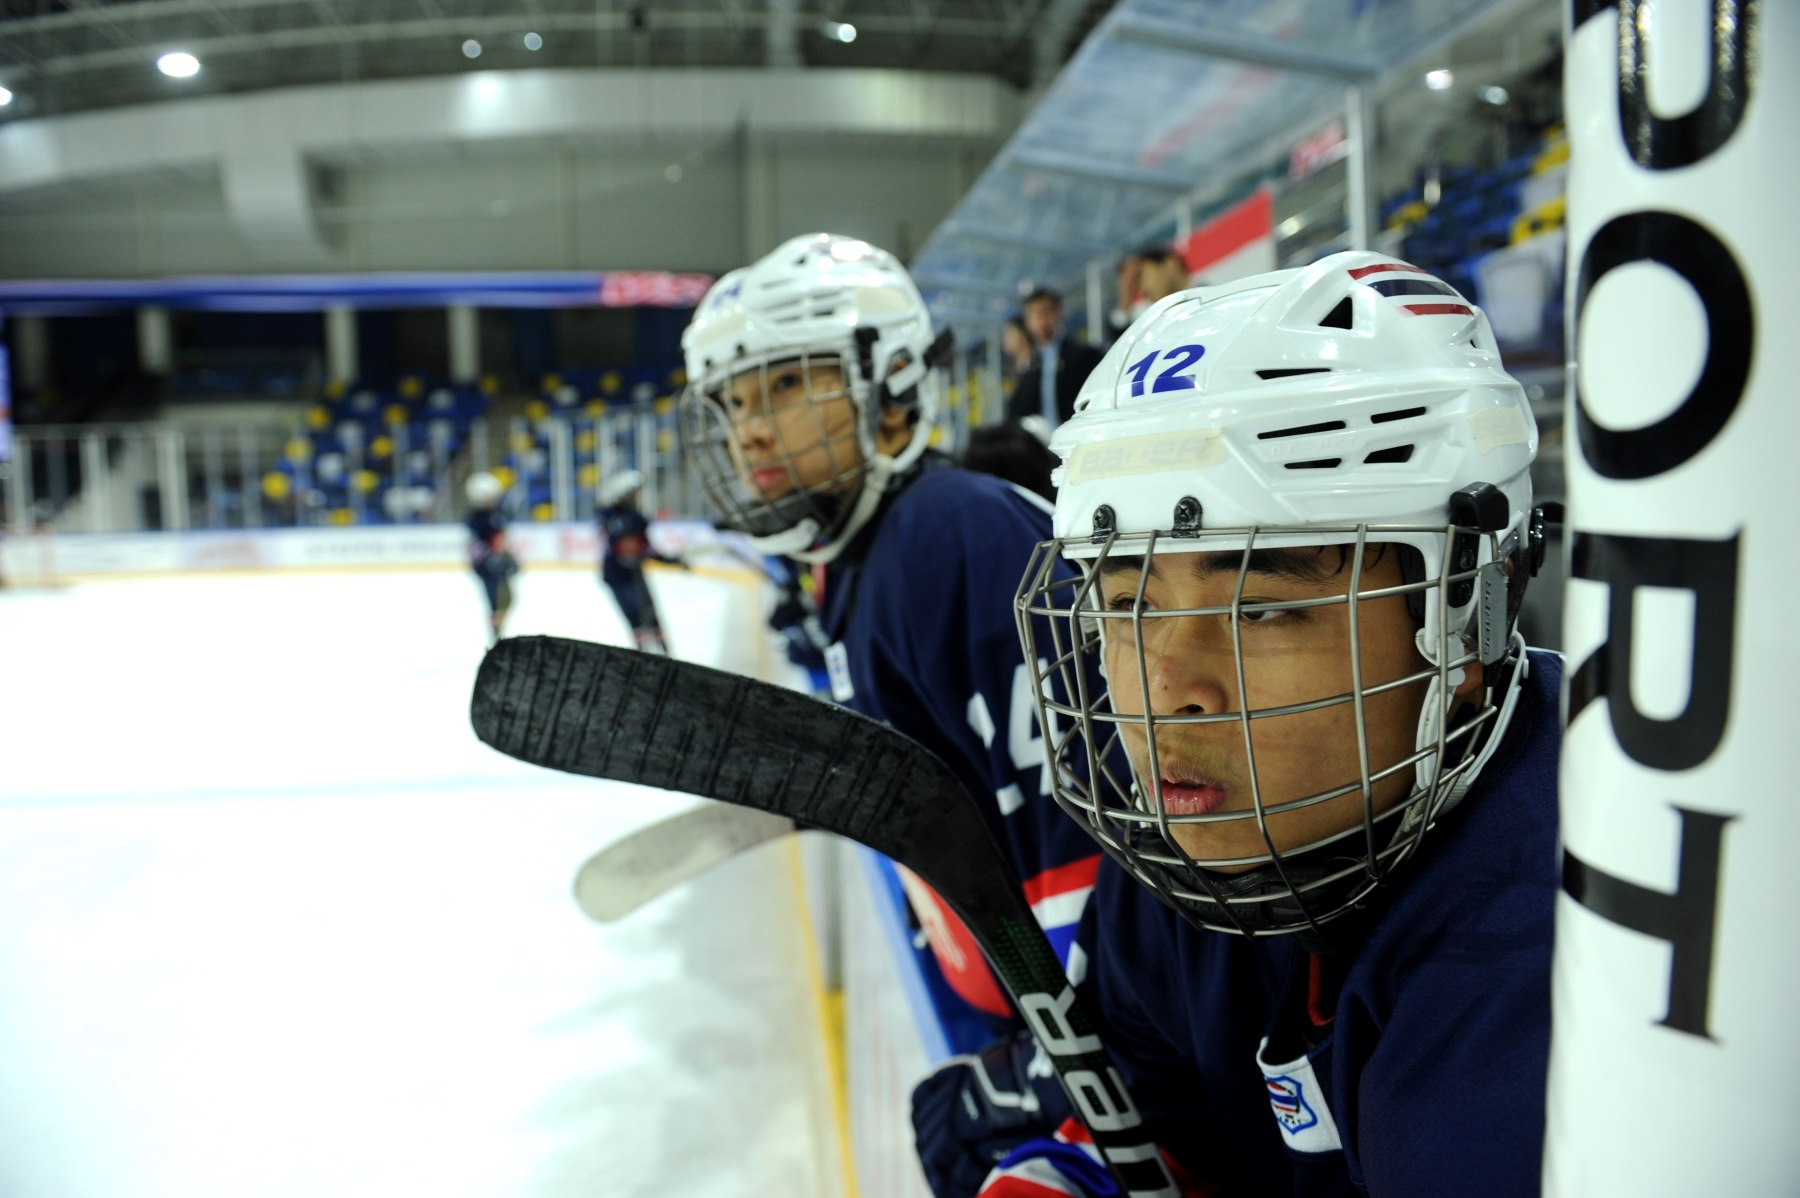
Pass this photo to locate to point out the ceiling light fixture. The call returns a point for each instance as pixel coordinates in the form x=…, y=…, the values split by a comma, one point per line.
x=178, y=65
x=1438, y=80
x=1495, y=95
x=471, y=49
x=533, y=42
x=5, y=97
x=842, y=31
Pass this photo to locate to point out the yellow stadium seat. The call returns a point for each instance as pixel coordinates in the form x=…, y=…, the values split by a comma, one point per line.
x=543, y=512
x=381, y=448
x=276, y=486
x=298, y=450
x=1546, y=216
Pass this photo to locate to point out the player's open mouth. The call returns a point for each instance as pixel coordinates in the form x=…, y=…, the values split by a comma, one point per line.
x=1191, y=796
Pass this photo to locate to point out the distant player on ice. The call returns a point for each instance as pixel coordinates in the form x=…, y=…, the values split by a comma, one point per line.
x=626, y=533
x=815, y=384
x=489, y=557
x=1320, y=952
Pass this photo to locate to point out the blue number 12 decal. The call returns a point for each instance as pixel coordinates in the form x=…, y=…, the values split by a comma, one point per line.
x=1181, y=358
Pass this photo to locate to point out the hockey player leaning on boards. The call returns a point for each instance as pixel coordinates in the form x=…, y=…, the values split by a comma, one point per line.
x=1320, y=947
x=815, y=382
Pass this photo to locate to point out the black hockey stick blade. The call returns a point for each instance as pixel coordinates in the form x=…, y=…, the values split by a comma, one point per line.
x=610, y=712
x=655, y=859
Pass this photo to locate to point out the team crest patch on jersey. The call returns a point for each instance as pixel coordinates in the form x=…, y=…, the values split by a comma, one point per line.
x=1298, y=1103
x=837, y=667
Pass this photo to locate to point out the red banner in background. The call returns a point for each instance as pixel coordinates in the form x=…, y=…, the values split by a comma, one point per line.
x=652, y=289
x=1237, y=242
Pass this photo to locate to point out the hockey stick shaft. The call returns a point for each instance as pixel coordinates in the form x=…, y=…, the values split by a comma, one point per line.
x=608, y=712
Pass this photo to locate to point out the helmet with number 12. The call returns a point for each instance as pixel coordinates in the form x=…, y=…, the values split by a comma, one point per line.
x=1301, y=513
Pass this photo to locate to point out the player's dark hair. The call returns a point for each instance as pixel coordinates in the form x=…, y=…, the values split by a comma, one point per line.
x=1009, y=451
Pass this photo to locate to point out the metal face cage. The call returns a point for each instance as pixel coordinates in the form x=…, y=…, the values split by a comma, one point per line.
x=1313, y=771
x=780, y=446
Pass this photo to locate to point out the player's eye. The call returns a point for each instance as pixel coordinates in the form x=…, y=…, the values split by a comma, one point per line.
x=1275, y=616
x=1126, y=601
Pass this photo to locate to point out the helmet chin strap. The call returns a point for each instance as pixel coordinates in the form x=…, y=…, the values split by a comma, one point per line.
x=798, y=541
x=1437, y=709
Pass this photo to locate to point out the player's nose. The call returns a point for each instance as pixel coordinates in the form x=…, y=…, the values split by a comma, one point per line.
x=1186, y=670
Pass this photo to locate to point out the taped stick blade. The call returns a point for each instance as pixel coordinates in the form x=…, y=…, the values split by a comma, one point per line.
x=654, y=860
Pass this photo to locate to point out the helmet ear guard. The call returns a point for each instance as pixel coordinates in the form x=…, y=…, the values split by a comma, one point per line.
x=900, y=388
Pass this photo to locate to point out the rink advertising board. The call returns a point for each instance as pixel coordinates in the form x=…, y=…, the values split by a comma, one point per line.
x=1672, y=1048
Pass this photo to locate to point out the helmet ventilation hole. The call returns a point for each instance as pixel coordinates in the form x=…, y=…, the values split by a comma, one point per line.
x=1315, y=464
x=1402, y=414
x=1289, y=372
x=1396, y=453
x=1339, y=317
x=1329, y=426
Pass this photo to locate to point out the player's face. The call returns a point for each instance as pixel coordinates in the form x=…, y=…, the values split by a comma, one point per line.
x=793, y=428
x=1188, y=667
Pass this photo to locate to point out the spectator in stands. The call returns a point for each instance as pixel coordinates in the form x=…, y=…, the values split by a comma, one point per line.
x=1015, y=341
x=492, y=561
x=1017, y=355
x=626, y=537
x=1049, y=388
x=1145, y=276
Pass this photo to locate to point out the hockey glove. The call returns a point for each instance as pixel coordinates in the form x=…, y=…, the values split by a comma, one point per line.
x=974, y=1110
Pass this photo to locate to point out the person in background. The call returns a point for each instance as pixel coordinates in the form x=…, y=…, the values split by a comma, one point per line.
x=1049, y=388
x=1325, y=918
x=809, y=426
x=489, y=556
x=1014, y=452
x=625, y=535
x=1145, y=276
x=1016, y=344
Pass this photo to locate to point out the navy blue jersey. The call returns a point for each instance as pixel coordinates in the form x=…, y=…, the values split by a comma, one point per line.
x=627, y=535
x=920, y=610
x=486, y=527
x=1425, y=1075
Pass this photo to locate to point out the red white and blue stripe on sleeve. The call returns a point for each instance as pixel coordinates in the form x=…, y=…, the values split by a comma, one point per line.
x=1068, y=1166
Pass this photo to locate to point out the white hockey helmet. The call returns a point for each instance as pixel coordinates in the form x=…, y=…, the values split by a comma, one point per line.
x=820, y=299
x=483, y=489
x=619, y=486
x=1355, y=402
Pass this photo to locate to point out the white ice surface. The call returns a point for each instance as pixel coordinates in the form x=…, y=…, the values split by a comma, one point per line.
x=273, y=923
